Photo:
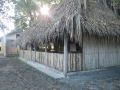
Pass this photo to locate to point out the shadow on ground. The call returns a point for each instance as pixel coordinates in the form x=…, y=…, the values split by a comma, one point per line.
x=16, y=75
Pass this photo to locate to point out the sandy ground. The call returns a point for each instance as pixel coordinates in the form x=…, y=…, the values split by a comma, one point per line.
x=16, y=75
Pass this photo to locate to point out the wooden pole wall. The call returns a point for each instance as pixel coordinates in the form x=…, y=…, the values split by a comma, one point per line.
x=55, y=60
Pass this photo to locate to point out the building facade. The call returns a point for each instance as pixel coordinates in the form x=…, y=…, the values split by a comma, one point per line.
x=11, y=49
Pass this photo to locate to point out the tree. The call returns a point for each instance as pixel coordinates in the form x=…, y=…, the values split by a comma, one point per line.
x=27, y=11
x=117, y=1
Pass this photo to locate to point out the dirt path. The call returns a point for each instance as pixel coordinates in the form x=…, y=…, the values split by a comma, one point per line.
x=16, y=75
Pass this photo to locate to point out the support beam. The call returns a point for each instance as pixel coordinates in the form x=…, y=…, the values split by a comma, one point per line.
x=65, y=55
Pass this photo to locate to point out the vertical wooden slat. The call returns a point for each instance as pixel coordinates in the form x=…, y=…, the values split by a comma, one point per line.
x=61, y=60
x=68, y=62
x=40, y=58
x=48, y=55
x=37, y=57
x=71, y=60
x=77, y=62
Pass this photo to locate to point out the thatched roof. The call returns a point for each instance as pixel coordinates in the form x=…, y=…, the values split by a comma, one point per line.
x=71, y=17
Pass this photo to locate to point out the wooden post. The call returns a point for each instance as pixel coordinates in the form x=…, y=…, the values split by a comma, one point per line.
x=31, y=52
x=65, y=55
x=35, y=51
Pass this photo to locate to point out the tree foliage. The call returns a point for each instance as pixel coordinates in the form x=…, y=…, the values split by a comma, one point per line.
x=4, y=16
x=26, y=11
x=117, y=1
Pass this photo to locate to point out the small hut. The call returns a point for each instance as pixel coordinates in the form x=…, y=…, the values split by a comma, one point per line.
x=87, y=31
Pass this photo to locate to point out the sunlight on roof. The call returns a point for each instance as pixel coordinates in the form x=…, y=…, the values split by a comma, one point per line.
x=45, y=10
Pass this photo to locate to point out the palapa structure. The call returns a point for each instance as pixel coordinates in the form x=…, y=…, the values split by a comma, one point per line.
x=88, y=22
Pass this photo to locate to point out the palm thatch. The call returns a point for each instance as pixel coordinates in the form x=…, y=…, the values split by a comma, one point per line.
x=75, y=18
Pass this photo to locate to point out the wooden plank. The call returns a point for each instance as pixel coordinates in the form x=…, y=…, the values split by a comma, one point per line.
x=57, y=59
x=52, y=60
x=74, y=62
x=37, y=57
x=80, y=61
x=28, y=55
x=51, y=63
x=40, y=57
x=58, y=63
x=47, y=59
x=77, y=62
x=61, y=62
x=68, y=63
x=33, y=56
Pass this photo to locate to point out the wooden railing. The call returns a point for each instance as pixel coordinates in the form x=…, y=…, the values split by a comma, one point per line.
x=54, y=60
